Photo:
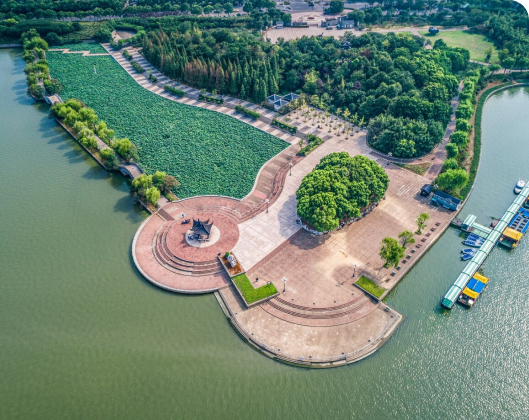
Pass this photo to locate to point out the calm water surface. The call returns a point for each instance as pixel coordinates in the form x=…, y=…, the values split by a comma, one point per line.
x=83, y=336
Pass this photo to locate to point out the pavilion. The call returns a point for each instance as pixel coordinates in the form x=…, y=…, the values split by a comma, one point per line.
x=201, y=230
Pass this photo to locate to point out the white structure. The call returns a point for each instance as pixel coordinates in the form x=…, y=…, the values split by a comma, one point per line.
x=279, y=102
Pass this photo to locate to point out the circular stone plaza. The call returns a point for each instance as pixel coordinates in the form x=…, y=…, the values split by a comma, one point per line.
x=319, y=318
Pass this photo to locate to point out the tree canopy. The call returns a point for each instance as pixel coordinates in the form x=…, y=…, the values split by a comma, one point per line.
x=338, y=188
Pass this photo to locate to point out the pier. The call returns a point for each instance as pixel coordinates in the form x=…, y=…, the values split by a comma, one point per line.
x=491, y=239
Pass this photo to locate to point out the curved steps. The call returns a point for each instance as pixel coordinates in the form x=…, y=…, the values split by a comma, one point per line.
x=344, y=313
x=178, y=265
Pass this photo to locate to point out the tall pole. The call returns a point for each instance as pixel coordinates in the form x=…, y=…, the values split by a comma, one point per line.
x=290, y=164
x=267, y=201
x=354, y=272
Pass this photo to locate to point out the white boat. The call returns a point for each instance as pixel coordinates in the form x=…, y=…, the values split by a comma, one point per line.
x=519, y=186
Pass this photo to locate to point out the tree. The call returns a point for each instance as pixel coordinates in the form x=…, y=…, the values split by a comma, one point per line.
x=391, y=252
x=463, y=125
x=196, y=9
x=103, y=35
x=109, y=158
x=338, y=188
x=459, y=137
x=407, y=238
x=451, y=150
x=421, y=222
x=452, y=180
x=123, y=147
x=450, y=163
x=228, y=8
x=336, y=6
x=152, y=195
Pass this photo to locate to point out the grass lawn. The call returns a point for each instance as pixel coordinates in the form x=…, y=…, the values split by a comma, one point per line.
x=208, y=152
x=418, y=169
x=250, y=294
x=476, y=44
x=370, y=286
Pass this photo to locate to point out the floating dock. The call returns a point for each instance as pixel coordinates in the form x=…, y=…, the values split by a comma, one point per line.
x=490, y=242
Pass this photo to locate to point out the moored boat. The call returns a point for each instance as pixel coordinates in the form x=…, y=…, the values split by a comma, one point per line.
x=516, y=229
x=473, y=244
x=473, y=290
x=466, y=257
x=467, y=250
x=519, y=186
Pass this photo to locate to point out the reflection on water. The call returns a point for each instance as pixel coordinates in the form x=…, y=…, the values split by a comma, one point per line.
x=82, y=335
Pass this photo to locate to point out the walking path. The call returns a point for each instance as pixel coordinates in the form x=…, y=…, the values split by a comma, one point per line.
x=83, y=53
x=191, y=95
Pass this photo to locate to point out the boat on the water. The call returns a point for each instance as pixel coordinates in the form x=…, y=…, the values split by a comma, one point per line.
x=516, y=229
x=467, y=250
x=473, y=290
x=473, y=244
x=519, y=186
x=474, y=237
x=468, y=256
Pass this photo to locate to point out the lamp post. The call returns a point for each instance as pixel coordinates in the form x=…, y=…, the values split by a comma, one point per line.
x=267, y=201
x=284, y=280
x=290, y=164
x=354, y=272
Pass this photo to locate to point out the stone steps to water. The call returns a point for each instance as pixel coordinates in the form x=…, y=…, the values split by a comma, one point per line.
x=328, y=309
x=328, y=315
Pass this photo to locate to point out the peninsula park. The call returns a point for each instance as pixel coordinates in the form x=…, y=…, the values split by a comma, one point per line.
x=298, y=182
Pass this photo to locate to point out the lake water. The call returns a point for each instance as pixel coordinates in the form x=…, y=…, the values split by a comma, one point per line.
x=83, y=336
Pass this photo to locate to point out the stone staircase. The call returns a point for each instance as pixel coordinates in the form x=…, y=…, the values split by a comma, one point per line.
x=344, y=313
x=178, y=265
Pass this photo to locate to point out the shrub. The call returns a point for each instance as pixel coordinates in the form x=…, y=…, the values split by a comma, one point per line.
x=208, y=98
x=459, y=137
x=450, y=163
x=463, y=125
x=152, y=78
x=137, y=67
x=464, y=110
x=314, y=142
x=252, y=114
x=127, y=55
x=284, y=126
x=452, y=150
x=174, y=90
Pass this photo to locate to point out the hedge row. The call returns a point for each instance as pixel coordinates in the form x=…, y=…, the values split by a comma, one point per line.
x=127, y=55
x=314, y=142
x=137, y=67
x=285, y=126
x=206, y=98
x=174, y=90
x=248, y=112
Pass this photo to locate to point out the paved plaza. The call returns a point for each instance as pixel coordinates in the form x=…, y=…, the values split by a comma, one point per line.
x=321, y=318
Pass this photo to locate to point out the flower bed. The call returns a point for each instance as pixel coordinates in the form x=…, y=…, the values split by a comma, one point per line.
x=207, y=98
x=248, y=112
x=174, y=90
x=208, y=152
x=284, y=126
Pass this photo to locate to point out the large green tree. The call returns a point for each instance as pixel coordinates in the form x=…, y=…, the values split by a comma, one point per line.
x=339, y=188
x=391, y=252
